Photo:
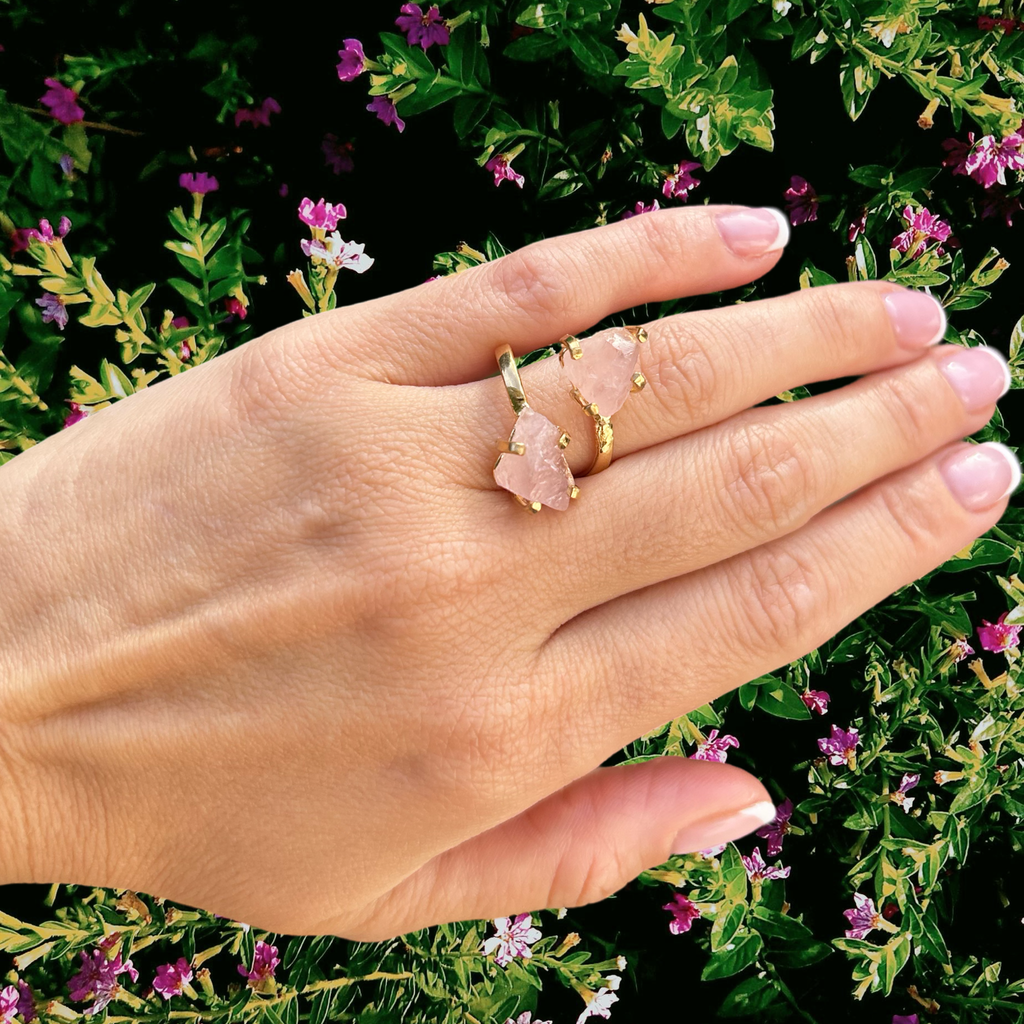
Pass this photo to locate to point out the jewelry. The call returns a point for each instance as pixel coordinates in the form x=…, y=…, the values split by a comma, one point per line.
x=602, y=373
x=531, y=464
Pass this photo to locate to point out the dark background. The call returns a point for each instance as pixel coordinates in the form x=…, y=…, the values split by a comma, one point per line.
x=420, y=192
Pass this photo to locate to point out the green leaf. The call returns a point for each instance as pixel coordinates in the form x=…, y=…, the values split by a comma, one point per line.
x=984, y=551
x=734, y=874
x=728, y=962
x=213, y=234
x=539, y=46
x=749, y=997
x=728, y=920
x=186, y=289
x=591, y=54
x=782, y=701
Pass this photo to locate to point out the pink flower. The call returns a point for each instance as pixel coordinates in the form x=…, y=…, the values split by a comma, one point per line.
x=258, y=116
x=78, y=412
x=385, y=109
x=337, y=154
x=956, y=153
x=524, y=1018
x=8, y=1004
x=911, y=1019
x=641, y=208
x=922, y=227
x=511, y=939
x=862, y=916
x=499, y=167
x=600, y=1004
x=712, y=851
x=997, y=636
x=171, y=979
x=816, y=700
x=801, y=201
x=97, y=979
x=990, y=159
x=26, y=1002
x=54, y=310
x=338, y=253
x=899, y=796
x=841, y=746
x=353, y=60
x=775, y=831
x=22, y=237
x=680, y=182
x=235, y=307
x=858, y=225
x=958, y=650
x=758, y=871
x=322, y=214
x=181, y=321
x=198, y=184
x=62, y=102
x=684, y=913
x=264, y=963
x=714, y=748
x=997, y=204
x=425, y=29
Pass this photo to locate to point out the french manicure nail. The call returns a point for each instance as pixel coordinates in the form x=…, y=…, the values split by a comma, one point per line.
x=918, y=320
x=753, y=232
x=978, y=375
x=979, y=475
x=723, y=828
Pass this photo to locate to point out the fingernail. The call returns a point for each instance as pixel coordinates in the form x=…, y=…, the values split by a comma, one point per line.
x=979, y=475
x=700, y=835
x=978, y=375
x=753, y=232
x=917, y=319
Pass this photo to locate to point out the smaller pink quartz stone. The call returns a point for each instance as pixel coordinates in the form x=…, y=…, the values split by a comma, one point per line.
x=542, y=474
x=604, y=373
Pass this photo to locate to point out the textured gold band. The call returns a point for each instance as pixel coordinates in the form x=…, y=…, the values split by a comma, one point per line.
x=510, y=375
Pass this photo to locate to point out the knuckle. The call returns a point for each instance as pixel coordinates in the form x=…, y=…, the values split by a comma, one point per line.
x=911, y=411
x=536, y=279
x=769, y=486
x=781, y=597
x=919, y=523
x=684, y=377
x=844, y=316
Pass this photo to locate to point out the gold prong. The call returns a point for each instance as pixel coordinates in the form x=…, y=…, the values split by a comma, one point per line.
x=564, y=439
x=533, y=506
x=575, y=492
x=571, y=344
x=511, y=447
x=639, y=333
x=639, y=382
x=578, y=398
x=591, y=410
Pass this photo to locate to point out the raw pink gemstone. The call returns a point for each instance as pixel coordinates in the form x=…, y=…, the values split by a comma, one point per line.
x=542, y=473
x=604, y=373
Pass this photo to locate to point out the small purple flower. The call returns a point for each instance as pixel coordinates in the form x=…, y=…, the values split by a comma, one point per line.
x=54, y=310
x=712, y=851
x=997, y=636
x=97, y=979
x=775, y=831
x=858, y=225
x=67, y=164
x=801, y=201
x=171, y=979
x=899, y=796
x=424, y=29
x=26, y=1002
x=680, y=182
x=684, y=913
x=922, y=227
x=62, y=102
x=512, y=938
x=8, y=1004
x=78, y=412
x=385, y=109
x=337, y=154
x=353, y=60
x=998, y=204
x=956, y=154
x=816, y=700
x=758, y=871
x=641, y=208
x=958, y=650
x=198, y=184
x=863, y=917
x=841, y=746
x=714, y=748
x=264, y=963
x=322, y=214
x=990, y=158
x=258, y=116
x=910, y=1019
x=499, y=167
x=235, y=307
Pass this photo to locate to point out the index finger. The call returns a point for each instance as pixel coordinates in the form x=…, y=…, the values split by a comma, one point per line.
x=445, y=331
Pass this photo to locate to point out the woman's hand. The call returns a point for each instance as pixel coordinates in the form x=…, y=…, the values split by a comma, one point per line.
x=277, y=646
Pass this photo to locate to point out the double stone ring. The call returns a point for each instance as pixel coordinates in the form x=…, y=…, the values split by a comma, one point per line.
x=601, y=374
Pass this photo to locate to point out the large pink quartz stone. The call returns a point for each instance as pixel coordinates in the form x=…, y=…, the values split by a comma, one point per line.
x=604, y=373
x=542, y=473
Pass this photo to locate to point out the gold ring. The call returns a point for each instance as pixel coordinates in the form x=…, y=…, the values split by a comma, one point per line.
x=531, y=464
x=606, y=369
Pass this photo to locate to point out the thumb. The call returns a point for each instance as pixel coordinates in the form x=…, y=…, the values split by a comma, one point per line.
x=582, y=843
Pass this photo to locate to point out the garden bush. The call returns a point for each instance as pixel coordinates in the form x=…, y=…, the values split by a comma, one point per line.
x=175, y=179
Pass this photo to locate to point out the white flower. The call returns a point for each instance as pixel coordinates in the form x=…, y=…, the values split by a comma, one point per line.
x=782, y=6
x=339, y=253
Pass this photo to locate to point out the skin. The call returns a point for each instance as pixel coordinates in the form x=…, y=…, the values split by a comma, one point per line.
x=277, y=646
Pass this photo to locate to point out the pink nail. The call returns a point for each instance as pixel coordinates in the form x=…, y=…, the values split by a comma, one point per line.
x=917, y=319
x=978, y=375
x=979, y=475
x=701, y=835
x=753, y=232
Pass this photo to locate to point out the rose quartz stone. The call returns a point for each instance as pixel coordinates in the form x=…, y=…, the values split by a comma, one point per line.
x=604, y=373
x=542, y=474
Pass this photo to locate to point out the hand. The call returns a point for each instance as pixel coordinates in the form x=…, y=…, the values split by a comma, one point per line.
x=278, y=647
